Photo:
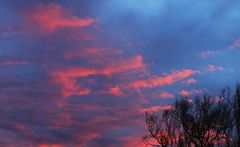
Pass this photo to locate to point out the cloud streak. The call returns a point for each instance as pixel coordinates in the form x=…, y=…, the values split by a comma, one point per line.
x=213, y=68
x=171, y=78
x=68, y=77
x=52, y=17
x=206, y=54
x=166, y=95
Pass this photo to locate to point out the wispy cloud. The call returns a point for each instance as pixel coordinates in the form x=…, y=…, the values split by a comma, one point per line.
x=51, y=17
x=115, y=91
x=156, y=108
x=235, y=44
x=190, y=92
x=171, y=78
x=213, y=68
x=68, y=77
x=205, y=54
x=14, y=62
x=190, y=81
x=166, y=95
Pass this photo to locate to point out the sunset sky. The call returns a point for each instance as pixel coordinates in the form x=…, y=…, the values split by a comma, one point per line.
x=83, y=72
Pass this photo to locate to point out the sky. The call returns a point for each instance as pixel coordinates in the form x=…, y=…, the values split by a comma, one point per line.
x=83, y=72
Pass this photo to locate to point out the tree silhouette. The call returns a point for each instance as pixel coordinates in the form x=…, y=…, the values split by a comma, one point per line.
x=237, y=112
x=203, y=122
x=163, y=130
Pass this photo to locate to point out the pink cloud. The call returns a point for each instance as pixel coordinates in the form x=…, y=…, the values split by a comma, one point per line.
x=125, y=65
x=115, y=91
x=53, y=16
x=235, y=44
x=205, y=54
x=68, y=77
x=213, y=68
x=156, y=108
x=171, y=78
x=184, y=93
x=78, y=91
x=190, y=81
x=192, y=92
x=69, y=84
x=166, y=95
x=118, y=67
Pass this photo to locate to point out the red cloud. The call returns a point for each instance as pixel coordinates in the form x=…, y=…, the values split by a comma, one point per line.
x=115, y=91
x=70, y=86
x=53, y=16
x=175, y=76
x=213, y=68
x=78, y=91
x=68, y=77
x=166, y=95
